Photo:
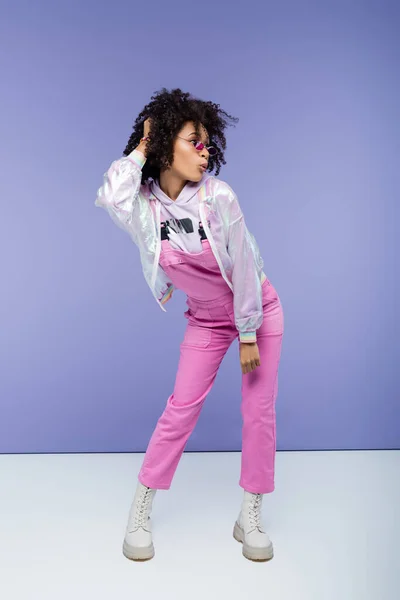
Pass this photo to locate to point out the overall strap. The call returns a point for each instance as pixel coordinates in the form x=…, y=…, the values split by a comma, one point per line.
x=204, y=193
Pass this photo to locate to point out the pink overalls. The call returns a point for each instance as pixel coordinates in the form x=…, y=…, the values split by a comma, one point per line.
x=209, y=333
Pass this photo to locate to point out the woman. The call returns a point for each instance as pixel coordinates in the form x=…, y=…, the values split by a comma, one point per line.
x=192, y=236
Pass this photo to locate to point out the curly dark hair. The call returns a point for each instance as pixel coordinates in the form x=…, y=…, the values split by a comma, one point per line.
x=169, y=111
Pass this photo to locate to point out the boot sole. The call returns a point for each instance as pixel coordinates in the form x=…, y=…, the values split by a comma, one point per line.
x=138, y=554
x=254, y=554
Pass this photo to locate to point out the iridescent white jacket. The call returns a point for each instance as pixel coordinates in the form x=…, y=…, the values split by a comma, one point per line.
x=127, y=201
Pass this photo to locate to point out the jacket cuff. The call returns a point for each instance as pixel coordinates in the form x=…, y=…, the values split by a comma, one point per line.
x=249, y=337
x=167, y=295
x=138, y=158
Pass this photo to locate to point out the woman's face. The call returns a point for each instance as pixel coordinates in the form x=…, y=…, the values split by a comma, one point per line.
x=187, y=160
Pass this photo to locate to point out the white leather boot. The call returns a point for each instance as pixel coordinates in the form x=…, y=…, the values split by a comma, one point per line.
x=249, y=530
x=138, y=542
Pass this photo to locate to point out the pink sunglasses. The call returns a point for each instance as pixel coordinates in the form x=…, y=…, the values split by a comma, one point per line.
x=199, y=146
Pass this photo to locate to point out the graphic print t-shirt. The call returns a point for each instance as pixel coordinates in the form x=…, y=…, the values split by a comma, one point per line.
x=182, y=215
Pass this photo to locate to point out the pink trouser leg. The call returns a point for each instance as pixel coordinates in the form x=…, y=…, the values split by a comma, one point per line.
x=259, y=392
x=201, y=354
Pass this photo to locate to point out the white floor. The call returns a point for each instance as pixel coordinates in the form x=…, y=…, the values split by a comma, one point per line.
x=333, y=518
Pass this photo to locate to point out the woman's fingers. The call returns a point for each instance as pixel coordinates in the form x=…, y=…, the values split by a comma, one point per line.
x=250, y=366
x=249, y=357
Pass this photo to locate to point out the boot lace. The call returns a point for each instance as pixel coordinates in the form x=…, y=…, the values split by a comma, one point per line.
x=141, y=513
x=255, y=511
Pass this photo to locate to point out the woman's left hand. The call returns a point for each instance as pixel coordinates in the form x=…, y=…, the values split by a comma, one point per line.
x=249, y=357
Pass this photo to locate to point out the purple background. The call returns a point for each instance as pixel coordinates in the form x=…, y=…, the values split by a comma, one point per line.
x=88, y=359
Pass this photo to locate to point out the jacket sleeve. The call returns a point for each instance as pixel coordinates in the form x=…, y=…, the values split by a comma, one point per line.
x=120, y=189
x=247, y=266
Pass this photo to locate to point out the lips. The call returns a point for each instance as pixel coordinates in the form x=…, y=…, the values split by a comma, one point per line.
x=203, y=166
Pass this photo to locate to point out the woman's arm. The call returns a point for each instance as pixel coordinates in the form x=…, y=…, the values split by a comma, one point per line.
x=121, y=183
x=247, y=290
